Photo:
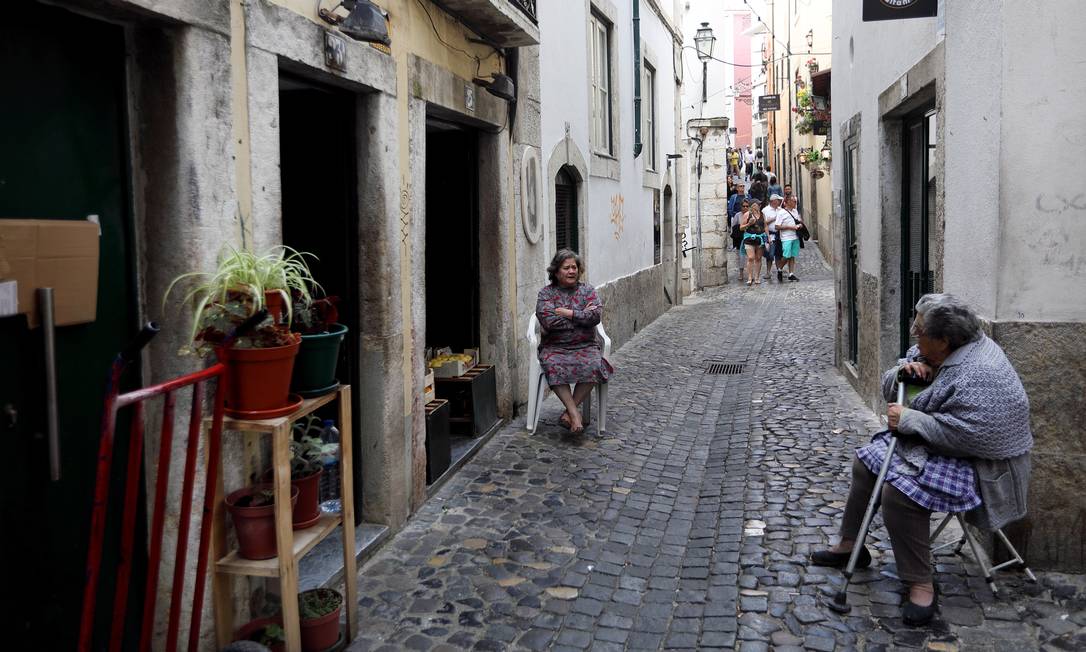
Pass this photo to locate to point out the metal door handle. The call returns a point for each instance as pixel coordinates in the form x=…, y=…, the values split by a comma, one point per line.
x=48, y=325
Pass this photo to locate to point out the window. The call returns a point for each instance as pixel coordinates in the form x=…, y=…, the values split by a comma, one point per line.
x=601, y=84
x=648, y=108
x=565, y=211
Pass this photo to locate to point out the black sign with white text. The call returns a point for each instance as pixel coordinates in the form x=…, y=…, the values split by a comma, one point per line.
x=769, y=103
x=898, y=9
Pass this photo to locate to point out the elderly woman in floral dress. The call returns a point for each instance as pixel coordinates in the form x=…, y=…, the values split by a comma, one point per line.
x=964, y=443
x=569, y=353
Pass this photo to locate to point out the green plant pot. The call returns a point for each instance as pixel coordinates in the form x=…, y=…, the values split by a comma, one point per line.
x=315, y=366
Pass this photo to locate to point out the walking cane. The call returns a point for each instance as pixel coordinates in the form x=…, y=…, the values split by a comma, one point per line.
x=840, y=601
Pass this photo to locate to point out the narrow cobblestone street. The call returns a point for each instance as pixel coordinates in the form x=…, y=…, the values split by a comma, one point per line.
x=687, y=524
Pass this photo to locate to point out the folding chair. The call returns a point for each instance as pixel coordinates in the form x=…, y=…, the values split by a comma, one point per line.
x=537, y=380
x=978, y=553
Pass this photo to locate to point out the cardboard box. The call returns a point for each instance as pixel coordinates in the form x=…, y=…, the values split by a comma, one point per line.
x=428, y=392
x=61, y=254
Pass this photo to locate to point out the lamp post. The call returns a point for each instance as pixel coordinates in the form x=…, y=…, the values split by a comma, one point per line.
x=703, y=43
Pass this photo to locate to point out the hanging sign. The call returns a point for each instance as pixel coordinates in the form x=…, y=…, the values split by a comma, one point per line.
x=769, y=103
x=899, y=9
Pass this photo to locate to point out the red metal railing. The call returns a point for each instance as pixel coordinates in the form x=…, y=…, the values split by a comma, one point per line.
x=137, y=400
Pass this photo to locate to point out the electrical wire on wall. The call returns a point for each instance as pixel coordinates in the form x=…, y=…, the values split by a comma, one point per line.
x=478, y=61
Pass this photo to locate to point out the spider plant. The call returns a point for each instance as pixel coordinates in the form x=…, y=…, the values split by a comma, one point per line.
x=280, y=269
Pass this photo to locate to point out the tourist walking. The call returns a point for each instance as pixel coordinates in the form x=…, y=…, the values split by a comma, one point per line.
x=736, y=200
x=753, y=228
x=748, y=162
x=774, y=186
x=788, y=223
x=772, y=245
x=737, y=220
x=733, y=161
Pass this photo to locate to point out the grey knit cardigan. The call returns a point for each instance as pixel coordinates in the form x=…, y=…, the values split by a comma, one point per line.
x=976, y=408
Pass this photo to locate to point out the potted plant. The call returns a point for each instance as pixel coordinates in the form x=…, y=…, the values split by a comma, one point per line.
x=261, y=361
x=305, y=471
x=266, y=631
x=316, y=322
x=319, y=609
x=252, y=510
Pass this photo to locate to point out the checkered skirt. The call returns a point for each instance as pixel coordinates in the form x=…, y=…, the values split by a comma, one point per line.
x=946, y=484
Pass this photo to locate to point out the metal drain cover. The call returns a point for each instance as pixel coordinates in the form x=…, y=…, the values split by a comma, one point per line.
x=719, y=368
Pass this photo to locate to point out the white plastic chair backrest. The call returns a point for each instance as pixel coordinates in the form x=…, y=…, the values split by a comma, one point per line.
x=535, y=328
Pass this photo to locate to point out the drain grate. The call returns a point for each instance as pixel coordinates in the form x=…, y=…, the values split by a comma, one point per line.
x=724, y=368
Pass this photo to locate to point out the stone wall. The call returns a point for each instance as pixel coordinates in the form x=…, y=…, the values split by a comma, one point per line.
x=632, y=302
x=1051, y=360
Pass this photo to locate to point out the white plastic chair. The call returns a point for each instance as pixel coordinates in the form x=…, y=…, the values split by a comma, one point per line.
x=537, y=381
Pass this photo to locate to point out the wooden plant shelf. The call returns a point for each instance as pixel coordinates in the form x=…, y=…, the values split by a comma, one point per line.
x=304, y=541
x=285, y=567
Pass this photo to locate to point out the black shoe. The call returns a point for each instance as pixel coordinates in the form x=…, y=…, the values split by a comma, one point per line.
x=916, y=616
x=793, y=277
x=840, y=559
x=780, y=276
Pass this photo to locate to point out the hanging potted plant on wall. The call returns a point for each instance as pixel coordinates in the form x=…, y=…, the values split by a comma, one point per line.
x=320, y=618
x=261, y=361
x=315, y=320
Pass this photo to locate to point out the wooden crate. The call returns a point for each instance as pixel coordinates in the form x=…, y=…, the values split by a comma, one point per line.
x=473, y=400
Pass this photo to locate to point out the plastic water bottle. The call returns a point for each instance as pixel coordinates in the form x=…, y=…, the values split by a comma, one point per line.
x=330, y=495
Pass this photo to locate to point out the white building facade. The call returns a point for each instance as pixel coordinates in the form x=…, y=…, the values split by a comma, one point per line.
x=609, y=188
x=957, y=167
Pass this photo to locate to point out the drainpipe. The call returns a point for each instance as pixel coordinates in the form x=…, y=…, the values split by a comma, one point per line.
x=637, y=76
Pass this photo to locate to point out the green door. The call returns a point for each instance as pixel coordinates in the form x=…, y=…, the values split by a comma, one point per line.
x=62, y=156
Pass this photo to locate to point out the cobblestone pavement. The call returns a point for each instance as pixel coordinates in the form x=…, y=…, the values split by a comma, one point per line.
x=686, y=525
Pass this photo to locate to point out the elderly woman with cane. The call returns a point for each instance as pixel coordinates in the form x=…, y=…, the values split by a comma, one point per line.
x=568, y=310
x=963, y=443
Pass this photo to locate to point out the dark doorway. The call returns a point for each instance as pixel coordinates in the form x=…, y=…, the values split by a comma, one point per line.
x=917, y=206
x=852, y=245
x=320, y=210
x=566, y=227
x=64, y=156
x=452, y=236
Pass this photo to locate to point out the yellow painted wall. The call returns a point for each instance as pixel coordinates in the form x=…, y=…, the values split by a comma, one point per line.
x=417, y=27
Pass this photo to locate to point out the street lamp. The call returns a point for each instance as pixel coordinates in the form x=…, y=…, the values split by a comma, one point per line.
x=827, y=150
x=703, y=43
x=810, y=39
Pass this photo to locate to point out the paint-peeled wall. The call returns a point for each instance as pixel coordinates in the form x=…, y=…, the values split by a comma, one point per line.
x=617, y=216
x=1042, y=183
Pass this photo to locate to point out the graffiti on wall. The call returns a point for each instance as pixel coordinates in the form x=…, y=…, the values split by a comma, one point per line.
x=618, y=214
x=405, y=210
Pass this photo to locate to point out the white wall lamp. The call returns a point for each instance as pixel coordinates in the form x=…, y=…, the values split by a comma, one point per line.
x=364, y=21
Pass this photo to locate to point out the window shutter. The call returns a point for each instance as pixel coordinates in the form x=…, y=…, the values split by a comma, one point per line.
x=565, y=212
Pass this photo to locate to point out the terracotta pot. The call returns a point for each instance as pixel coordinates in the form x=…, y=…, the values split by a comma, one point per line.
x=321, y=633
x=258, y=379
x=276, y=304
x=255, y=526
x=252, y=630
x=308, y=507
